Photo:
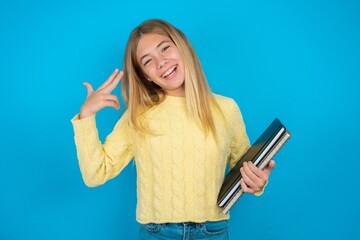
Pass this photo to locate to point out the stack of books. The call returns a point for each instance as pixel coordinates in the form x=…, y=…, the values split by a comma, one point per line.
x=260, y=153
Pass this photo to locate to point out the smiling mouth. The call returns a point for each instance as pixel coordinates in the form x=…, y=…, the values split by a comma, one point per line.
x=169, y=72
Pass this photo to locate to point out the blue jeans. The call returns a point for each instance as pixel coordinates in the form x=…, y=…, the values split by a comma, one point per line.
x=185, y=231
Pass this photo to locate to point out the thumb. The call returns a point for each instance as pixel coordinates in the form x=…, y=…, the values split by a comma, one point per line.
x=89, y=88
x=270, y=167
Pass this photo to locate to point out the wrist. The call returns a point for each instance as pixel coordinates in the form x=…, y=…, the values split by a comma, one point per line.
x=261, y=191
x=84, y=114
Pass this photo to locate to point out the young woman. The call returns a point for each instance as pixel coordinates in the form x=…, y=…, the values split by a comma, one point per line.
x=180, y=134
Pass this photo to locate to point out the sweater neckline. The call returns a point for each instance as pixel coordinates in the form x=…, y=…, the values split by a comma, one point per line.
x=175, y=100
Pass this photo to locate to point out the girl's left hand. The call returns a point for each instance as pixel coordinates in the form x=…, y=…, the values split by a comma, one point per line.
x=253, y=179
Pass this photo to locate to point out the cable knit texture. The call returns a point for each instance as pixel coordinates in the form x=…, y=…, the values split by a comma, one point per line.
x=180, y=169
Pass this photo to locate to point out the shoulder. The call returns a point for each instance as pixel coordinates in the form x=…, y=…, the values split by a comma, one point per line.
x=225, y=102
x=229, y=108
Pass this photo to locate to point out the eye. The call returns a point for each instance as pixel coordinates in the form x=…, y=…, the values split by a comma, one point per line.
x=147, y=62
x=165, y=48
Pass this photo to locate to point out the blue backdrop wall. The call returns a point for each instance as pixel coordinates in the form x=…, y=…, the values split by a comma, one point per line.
x=296, y=60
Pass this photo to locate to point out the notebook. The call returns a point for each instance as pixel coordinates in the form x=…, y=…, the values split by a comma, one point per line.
x=260, y=153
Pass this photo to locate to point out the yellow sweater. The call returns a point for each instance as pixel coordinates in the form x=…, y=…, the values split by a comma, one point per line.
x=179, y=168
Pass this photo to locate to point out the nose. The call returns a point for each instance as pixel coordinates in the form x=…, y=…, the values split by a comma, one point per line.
x=162, y=63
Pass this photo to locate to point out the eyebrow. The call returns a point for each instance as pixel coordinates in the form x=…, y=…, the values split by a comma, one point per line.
x=159, y=45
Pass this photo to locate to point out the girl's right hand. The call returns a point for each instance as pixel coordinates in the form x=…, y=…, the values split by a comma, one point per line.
x=102, y=97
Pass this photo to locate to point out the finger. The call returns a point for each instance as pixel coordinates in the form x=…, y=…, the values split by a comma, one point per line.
x=89, y=88
x=247, y=180
x=110, y=78
x=251, y=179
x=259, y=173
x=114, y=99
x=112, y=104
x=112, y=85
x=245, y=188
x=109, y=100
x=269, y=167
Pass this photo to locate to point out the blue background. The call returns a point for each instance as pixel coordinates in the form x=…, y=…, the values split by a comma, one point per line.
x=296, y=60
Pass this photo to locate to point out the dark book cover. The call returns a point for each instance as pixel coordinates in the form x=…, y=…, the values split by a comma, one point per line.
x=260, y=153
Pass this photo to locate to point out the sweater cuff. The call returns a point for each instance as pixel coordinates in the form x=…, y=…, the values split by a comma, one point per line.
x=261, y=191
x=81, y=125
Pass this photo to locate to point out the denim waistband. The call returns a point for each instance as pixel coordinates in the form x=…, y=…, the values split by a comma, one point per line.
x=185, y=224
x=185, y=230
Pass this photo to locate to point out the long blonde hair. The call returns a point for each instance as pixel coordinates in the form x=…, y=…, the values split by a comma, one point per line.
x=139, y=93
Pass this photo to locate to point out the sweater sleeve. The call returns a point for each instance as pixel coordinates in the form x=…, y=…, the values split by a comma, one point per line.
x=239, y=140
x=101, y=162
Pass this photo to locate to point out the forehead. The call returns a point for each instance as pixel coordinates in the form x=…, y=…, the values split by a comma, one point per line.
x=149, y=43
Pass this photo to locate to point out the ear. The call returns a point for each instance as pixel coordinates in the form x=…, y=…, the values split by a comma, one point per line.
x=145, y=76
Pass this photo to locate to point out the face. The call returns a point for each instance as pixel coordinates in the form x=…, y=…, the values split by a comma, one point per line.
x=162, y=63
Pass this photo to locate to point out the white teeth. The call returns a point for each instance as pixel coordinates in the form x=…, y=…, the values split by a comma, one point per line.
x=168, y=72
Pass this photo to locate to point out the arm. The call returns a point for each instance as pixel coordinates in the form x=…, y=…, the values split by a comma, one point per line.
x=98, y=162
x=253, y=179
x=101, y=162
x=239, y=140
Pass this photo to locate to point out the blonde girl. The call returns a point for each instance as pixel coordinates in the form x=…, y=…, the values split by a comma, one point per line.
x=180, y=135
